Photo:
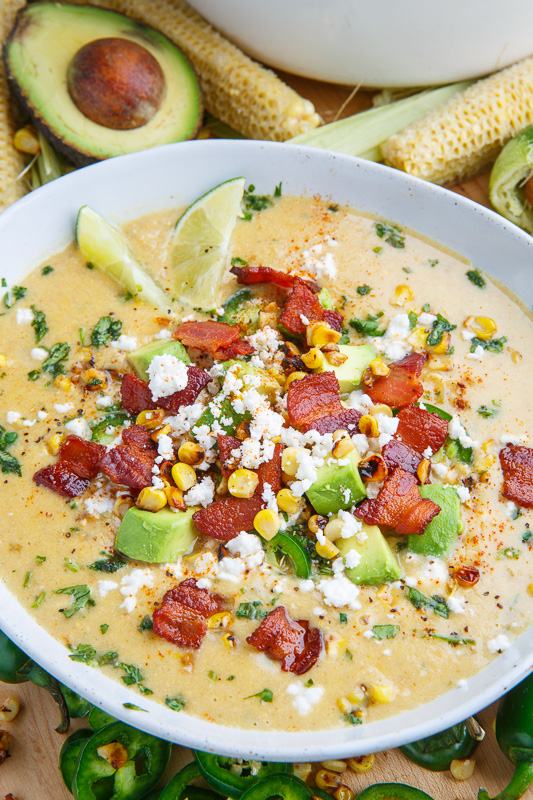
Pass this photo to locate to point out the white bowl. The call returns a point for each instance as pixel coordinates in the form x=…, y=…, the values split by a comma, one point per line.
x=378, y=43
x=123, y=188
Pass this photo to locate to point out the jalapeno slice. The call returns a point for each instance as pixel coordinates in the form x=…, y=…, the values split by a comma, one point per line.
x=216, y=770
x=290, y=546
x=278, y=785
x=98, y=718
x=437, y=752
x=174, y=788
x=96, y=779
x=68, y=756
x=393, y=791
x=77, y=706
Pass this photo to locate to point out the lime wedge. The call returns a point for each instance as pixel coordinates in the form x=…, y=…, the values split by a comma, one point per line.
x=200, y=244
x=511, y=170
x=107, y=248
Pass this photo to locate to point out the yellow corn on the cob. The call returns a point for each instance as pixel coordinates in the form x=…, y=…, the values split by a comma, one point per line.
x=237, y=90
x=12, y=161
x=462, y=137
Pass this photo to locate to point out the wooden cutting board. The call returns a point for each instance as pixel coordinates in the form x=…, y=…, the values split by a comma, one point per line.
x=32, y=771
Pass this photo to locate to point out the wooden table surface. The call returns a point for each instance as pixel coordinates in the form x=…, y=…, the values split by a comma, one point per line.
x=32, y=771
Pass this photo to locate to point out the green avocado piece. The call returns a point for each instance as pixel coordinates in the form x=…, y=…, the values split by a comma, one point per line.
x=378, y=563
x=350, y=373
x=443, y=530
x=43, y=61
x=140, y=359
x=155, y=536
x=338, y=485
x=324, y=298
x=254, y=378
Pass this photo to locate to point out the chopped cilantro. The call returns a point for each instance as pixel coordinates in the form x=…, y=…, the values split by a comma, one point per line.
x=475, y=277
x=113, y=420
x=265, y=696
x=458, y=452
x=105, y=331
x=132, y=673
x=453, y=639
x=71, y=565
x=175, y=703
x=257, y=202
x=88, y=655
x=47, y=270
x=8, y=462
x=364, y=289
x=492, y=345
x=38, y=324
x=27, y=579
x=437, y=603
x=238, y=262
x=526, y=536
x=333, y=208
x=348, y=654
x=111, y=563
x=251, y=610
x=277, y=190
x=56, y=355
x=412, y=319
x=508, y=552
x=353, y=719
x=38, y=600
x=385, y=631
x=40, y=559
x=433, y=262
x=485, y=411
x=34, y=375
x=440, y=327
x=104, y=627
x=343, y=618
x=14, y=294
x=212, y=675
x=370, y=326
x=426, y=307
x=133, y=707
x=89, y=265
x=81, y=595
x=143, y=689
x=391, y=233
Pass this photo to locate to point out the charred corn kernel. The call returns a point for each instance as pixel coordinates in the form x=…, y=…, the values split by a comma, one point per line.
x=356, y=697
x=487, y=445
x=26, y=140
x=326, y=779
x=295, y=376
x=384, y=595
x=361, y=764
x=63, y=383
x=423, y=469
x=164, y=431
x=340, y=434
x=220, y=620
x=191, y=453
x=401, y=295
x=5, y=743
x=317, y=522
x=175, y=497
x=460, y=138
x=530, y=590
x=462, y=769
x=344, y=705
x=334, y=645
x=343, y=792
x=439, y=363
x=94, y=379
x=418, y=339
x=333, y=529
x=381, y=408
x=150, y=419
x=9, y=709
x=228, y=640
x=222, y=486
x=342, y=447
x=334, y=765
x=290, y=460
x=483, y=327
x=318, y=334
x=183, y=476
x=439, y=385
x=267, y=523
x=83, y=354
x=302, y=770
x=151, y=499
x=335, y=357
x=291, y=349
x=287, y=479
x=288, y=502
x=369, y=426
x=327, y=550
x=314, y=358
x=242, y=430
x=114, y=753
x=379, y=368
x=243, y=483
x=122, y=505
x=373, y=469
x=277, y=374
x=269, y=316
x=54, y=443
x=381, y=693
x=516, y=357
x=443, y=346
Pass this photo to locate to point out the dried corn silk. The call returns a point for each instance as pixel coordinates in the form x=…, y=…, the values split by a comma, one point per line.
x=237, y=90
x=11, y=161
x=465, y=135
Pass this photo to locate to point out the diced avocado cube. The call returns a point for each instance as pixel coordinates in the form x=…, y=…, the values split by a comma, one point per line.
x=324, y=298
x=254, y=378
x=156, y=536
x=338, y=485
x=350, y=373
x=378, y=563
x=140, y=359
x=441, y=533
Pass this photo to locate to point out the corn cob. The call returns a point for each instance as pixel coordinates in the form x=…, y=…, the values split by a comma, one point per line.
x=237, y=90
x=465, y=135
x=11, y=161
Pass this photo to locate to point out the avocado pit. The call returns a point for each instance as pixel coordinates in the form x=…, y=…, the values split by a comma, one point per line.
x=116, y=83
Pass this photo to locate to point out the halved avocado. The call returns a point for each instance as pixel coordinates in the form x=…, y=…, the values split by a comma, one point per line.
x=99, y=84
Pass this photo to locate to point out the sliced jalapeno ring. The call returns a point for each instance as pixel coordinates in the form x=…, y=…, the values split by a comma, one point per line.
x=279, y=785
x=177, y=785
x=98, y=718
x=437, y=752
x=77, y=706
x=216, y=770
x=291, y=547
x=68, y=756
x=393, y=791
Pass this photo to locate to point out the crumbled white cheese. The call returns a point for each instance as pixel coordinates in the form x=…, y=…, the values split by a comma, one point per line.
x=498, y=644
x=462, y=685
x=456, y=604
x=350, y=525
x=98, y=503
x=42, y=415
x=428, y=452
x=165, y=447
x=204, y=583
x=164, y=333
x=124, y=342
x=426, y=320
x=457, y=431
x=248, y=546
x=106, y=586
x=393, y=343
x=306, y=585
x=24, y=316
x=339, y=591
x=104, y=402
x=323, y=266
x=39, y=353
x=368, y=634
x=372, y=490
x=80, y=428
x=231, y=569
x=304, y=697
x=352, y=558
x=167, y=375
x=387, y=424
x=201, y=494
x=304, y=319
x=12, y=417
x=509, y=438
x=477, y=355
x=463, y=492
x=63, y=408
x=130, y=585
x=440, y=470
x=467, y=335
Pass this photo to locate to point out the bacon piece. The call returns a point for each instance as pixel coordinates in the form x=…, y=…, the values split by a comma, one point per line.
x=398, y=389
x=226, y=518
x=238, y=348
x=270, y=472
x=399, y=454
x=346, y=420
x=228, y=462
x=302, y=301
x=131, y=464
x=139, y=436
x=313, y=397
x=421, y=429
x=293, y=643
x=82, y=457
x=208, y=336
x=399, y=505
x=136, y=395
x=517, y=466
x=413, y=363
x=182, y=616
x=61, y=479
x=252, y=275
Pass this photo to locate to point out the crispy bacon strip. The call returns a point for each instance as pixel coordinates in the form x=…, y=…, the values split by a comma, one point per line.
x=421, y=429
x=399, y=454
x=399, y=505
x=60, y=478
x=346, y=420
x=252, y=275
x=236, y=349
x=228, y=462
x=314, y=397
x=398, y=389
x=270, y=472
x=136, y=395
x=182, y=616
x=130, y=464
x=226, y=518
x=293, y=643
x=413, y=363
x=517, y=467
x=79, y=461
x=302, y=301
x=220, y=340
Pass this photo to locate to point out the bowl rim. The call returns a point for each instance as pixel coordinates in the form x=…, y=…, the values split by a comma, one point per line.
x=457, y=704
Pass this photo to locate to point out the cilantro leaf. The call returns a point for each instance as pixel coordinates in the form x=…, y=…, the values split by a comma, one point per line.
x=440, y=327
x=475, y=277
x=385, y=631
x=54, y=361
x=82, y=597
x=251, y=610
x=362, y=290
x=105, y=331
x=38, y=324
x=368, y=326
x=14, y=294
x=175, y=703
x=492, y=345
x=265, y=696
x=111, y=563
x=391, y=233
x=436, y=603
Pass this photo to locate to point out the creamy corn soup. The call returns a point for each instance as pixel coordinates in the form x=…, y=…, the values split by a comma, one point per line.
x=360, y=563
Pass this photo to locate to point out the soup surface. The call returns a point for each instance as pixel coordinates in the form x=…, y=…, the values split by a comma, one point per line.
x=393, y=578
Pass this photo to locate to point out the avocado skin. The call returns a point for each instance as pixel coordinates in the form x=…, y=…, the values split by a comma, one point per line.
x=327, y=493
x=156, y=536
x=83, y=154
x=441, y=533
x=378, y=563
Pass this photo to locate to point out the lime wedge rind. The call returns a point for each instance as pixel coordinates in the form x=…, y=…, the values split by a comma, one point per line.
x=512, y=168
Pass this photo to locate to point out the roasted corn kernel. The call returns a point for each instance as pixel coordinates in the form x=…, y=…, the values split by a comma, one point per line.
x=379, y=368
x=325, y=779
x=343, y=792
x=26, y=140
x=361, y=764
x=381, y=693
x=340, y=434
x=317, y=522
x=175, y=497
x=444, y=345
x=288, y=502
x=334, y=765
x=381, y=408
x=295, y=376
x=9, y=709
x=114, y=753
x=267, y=523
x=313, y=359
x=242, y=430
x=122, y=506
x=333, y=529
x=191, y=453
x=423, y=469
x=334, y=356
x=243, y=483
x=220, y=620
x=369, y=426
x=63, y=383
x=462, y=769
x=342, y=447
x=163, y=431
x=373, y=469
x=344, y=705
x=183, y=476
x=483, y=327
x=150, y=419
x=327, y=550
x=228, y=640
x=318, y=334
x=290, y=460
x=54, y=443
x=401, y=295
x=94, y=379
x=302, y=770
x=151, y=499
x=222, y=486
